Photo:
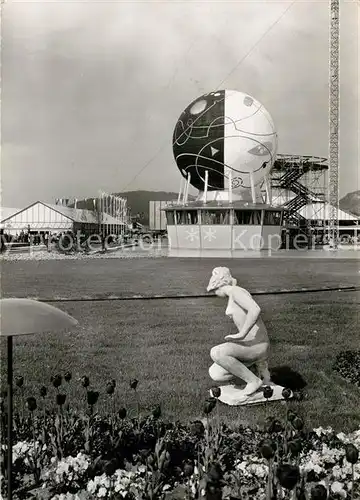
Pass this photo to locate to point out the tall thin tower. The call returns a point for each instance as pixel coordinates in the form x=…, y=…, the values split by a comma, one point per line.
x=334, y=108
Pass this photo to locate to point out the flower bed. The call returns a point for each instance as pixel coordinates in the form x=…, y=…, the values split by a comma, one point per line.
x=347, y=364
x=67, y=454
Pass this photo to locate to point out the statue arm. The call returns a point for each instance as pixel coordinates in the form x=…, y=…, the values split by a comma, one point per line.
x=245, y=301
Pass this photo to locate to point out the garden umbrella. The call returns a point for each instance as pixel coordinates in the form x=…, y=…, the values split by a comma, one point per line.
x=25, y=317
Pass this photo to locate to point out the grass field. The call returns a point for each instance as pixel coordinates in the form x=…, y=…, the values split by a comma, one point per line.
x=165, y=343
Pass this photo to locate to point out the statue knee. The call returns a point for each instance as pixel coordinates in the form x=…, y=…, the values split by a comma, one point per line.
x=218, y=374
x=216, y=353
x=213, y=372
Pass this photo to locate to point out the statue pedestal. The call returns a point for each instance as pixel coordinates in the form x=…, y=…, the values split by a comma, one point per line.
x=233, y=395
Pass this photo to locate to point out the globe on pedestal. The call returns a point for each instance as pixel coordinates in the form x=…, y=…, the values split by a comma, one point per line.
x=221, y=132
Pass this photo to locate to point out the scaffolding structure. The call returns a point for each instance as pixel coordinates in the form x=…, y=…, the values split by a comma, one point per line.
x=297, y=181
x=334, y=107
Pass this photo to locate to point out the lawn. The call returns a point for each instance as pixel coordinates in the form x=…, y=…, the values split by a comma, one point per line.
x=165, y=343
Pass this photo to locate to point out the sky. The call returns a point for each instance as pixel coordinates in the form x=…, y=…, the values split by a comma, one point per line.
x=91, y=91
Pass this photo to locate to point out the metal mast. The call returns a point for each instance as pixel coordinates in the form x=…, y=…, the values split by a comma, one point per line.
x=334, y=106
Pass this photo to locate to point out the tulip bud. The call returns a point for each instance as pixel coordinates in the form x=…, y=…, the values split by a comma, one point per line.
x=352, y=453
x=188, y=469
x=122, y=413
x=157, y=412
x=298, y=423
x=268, y=392
x=60, y=399
x=319, y=492
x=288, y=475
x=298, y=396
x=68, y=376
x=92, y=397
x=286, y=394
x=197, y=428
x=85, y=382
x=110, y=389
x=209, y=405
x=275, y=427
x=214, y=473
x=267, y=449
x=291, y=415
x=56, y=380
x=295, y=447
x=215, y=392
x=43, y=391
x=134, y=384
x=31, y=404
x=19, y=381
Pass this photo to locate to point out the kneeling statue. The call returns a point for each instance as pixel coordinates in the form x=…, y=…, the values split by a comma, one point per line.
x=244, y=358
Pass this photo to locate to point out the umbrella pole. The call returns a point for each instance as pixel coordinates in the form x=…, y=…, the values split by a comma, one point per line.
x=9, y=413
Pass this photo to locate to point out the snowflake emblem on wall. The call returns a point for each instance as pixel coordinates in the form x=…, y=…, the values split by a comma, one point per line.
x=210, y=234
x=192, y=235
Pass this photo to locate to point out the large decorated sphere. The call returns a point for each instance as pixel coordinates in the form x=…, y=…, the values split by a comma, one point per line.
x=222, y=132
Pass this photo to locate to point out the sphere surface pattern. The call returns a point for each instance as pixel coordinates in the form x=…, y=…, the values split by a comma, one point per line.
x=221, y=132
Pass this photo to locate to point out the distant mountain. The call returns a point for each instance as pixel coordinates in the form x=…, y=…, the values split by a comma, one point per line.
x=351, y=203
x=138, y=202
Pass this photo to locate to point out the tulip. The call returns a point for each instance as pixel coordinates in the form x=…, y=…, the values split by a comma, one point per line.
x=60, y=399
x=19, y=381
x=110, y=389
x=197, y=428
x=150, y=460
x=319, y=492
x=268, y=392
x=291, y=415
x=122, y=413
x=286, y=394
x=275, y=427
x=188, y=469
x=56, y=380
x=214, y=473
x=298, y=423
x=43, y=391
x=68, y=376
x=134, y=384
x=295, y=447
x=31, y=404
x=215, y=392
x=352, y=453
x=209, y=405
x=92, y=397
x=298, y=396
x=85, y=382
x=268, y=449
x=157, y=411
x=288, y=475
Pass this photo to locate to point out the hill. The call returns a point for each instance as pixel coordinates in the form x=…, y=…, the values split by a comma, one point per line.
x=351, y=203
x=138, y=202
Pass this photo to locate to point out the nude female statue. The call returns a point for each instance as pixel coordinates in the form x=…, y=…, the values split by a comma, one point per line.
x=245, y=355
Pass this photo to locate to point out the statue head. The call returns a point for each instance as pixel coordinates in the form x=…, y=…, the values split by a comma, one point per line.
x=220, y=277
